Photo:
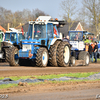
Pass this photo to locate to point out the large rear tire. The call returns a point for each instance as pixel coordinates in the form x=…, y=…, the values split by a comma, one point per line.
x=6, y=50
x=63, y=54
x=83, y=55
x=42, y=57
x=53, y=54
x=13, y=58
x=6, y=54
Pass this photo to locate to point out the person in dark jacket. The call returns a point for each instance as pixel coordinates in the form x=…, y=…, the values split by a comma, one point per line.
x=90, y=52
x=95, y=51
x=66, y=39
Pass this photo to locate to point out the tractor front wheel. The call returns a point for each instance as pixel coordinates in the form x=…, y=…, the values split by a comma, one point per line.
x=83, y=55
x=42, y=57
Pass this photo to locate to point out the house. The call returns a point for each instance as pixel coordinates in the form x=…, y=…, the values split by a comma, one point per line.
x=76, y=26
x=2, y=29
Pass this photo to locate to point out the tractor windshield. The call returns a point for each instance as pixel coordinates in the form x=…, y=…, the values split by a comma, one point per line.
x=21, y=37
x=7, y=36
x=39, y=31
x=76, y=36
x=13, y=37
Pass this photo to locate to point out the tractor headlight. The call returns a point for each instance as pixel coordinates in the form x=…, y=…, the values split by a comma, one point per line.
x=30, y=54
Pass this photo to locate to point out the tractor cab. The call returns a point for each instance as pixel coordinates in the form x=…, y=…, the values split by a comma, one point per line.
x=14, y=37
x=88, y=35
x=76, y=40
x=42, y=31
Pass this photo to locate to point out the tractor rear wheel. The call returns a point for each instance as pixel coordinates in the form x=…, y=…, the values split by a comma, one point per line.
x=42, y=57
x=63, y=54
x=6, y=54
x=83, y=55
x=13, y=58
x=53, y=54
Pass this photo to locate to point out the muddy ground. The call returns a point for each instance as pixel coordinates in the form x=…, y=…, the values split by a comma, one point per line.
x=6, y=70
x=63, y=91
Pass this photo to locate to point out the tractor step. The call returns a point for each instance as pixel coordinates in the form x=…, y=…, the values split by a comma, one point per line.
x=79, y=62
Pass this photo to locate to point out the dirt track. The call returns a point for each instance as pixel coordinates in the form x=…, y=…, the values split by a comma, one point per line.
x=6, y=70
x=64, y=91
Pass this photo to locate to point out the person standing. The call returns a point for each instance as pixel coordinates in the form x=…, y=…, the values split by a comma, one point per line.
x=92, y=55
x=90, y=52
x=95, y=51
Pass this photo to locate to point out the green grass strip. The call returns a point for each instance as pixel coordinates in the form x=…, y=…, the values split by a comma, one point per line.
x=78, y=75
x=3, y=86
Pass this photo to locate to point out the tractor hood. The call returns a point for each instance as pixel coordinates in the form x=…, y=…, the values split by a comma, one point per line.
x=34, y=41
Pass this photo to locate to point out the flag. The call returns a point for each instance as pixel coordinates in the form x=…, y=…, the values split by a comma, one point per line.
x=55, y=31
x=22, y=31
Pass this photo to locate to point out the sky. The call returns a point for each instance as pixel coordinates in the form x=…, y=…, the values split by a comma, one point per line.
x=51, y=7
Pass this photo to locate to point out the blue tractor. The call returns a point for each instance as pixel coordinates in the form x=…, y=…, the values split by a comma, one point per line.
x=43, y=44
x=78, y=48
x=12, y=39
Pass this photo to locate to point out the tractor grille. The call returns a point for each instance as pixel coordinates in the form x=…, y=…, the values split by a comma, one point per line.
x=26, y=47
x=23, y=53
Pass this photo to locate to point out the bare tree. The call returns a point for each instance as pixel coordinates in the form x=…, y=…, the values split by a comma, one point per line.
x=93, y=13
x=38, y=13
x=6, y=16
x=69, y=9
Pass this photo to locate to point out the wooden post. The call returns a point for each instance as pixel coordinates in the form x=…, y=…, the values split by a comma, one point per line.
x=8, y=26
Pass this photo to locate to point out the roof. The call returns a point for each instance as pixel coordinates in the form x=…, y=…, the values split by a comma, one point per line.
x=1, y=28
x=64, y=30
x=74, y=25
x=47, y=18
x=13, y=29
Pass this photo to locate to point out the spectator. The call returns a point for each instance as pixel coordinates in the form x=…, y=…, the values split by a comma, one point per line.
x=94, y=39
x=66, y=39
x=90, y=51
x=91, y=38
x=87, y=40
x=92, y=55
x=95, y=51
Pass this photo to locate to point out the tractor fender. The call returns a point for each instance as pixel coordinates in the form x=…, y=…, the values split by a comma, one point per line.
x=8, y=42
x=54, y=40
